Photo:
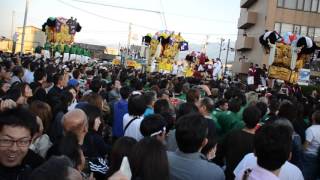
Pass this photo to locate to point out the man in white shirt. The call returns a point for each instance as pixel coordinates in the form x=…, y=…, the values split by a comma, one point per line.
x=216, y=69
x=272, y=146
x=311, y=148
x=288, y=171
x=132, y=120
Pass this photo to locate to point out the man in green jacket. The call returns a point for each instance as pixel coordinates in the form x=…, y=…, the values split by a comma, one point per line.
x=230, y=120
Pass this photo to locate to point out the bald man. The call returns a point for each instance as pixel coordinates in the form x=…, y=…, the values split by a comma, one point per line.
x=76, y=121
x=73, y=121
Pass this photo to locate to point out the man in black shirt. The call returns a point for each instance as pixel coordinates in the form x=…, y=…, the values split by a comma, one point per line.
x=17, y=127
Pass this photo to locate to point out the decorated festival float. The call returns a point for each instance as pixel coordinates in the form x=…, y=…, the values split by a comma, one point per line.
x=163, y=49
x=287, y=54
x=60, y=33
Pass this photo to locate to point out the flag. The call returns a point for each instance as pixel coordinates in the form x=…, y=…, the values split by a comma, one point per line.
x=184, y=46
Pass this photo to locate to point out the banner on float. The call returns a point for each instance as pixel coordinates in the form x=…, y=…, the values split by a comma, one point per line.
x=116, y=62
x=304, y=77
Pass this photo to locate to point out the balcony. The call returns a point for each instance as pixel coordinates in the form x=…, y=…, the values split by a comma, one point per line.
x=247, y=19
x=244, y=43
x=247, y=3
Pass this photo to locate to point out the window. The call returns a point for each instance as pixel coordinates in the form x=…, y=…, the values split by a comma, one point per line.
x=300, y=4
x=290, y=4
x=280, y=3
x=286, y=28
x=304, y=30
x=277, y=27
x=307, y=5
x=296, y=29
x=311, y=32
x=319, y=8
x=317, y=32
x=314, y=6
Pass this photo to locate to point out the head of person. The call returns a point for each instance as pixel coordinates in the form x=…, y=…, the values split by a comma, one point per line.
x=40, y=75
x=273, y=105
x=76, y=74
x=58, y=80
x=223, y=105
x=263, y=107
x=316, y=117
x=43, y=111
x=26, y=90
x=148, y=160
x=161, y=106
x=209, y=150
x=272, y=146
x=164, y=94
x=76, y=121
x=251, y=116
x=150, y=98
x=96, y=85
x=116, y=84
x=94, y=116
x=19, y=93
x=4, y=73
x=187, y=108
x=288, y=111
x=4, y=88
x=94, y=99
x=154, y=126
x=136, y=105
x=17, y=128
x=125, y=92
x=193, y=96
x=74, y=151
x=206, y=106
x=18, y=71
x=74, y=83
x=65, y=101
x=234, y=105
x=57, y=167
x=191, y=133
x=121, y=148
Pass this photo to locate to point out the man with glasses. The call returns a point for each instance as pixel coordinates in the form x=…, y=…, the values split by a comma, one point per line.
x=17, y=127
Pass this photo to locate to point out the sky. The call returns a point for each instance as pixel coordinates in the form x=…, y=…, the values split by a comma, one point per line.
x=105, y=25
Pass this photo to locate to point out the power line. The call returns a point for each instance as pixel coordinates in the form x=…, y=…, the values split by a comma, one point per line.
x=163, y=15
x=153, y=11
x=104, y=17
x=119, y=7
x=143, y=26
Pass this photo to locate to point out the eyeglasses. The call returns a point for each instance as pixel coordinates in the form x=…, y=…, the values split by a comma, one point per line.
x=10, y=142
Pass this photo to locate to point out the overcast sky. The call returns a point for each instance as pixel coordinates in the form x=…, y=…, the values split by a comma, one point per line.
x=105, y=25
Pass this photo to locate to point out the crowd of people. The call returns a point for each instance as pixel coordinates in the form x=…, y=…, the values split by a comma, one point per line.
x=64, y=120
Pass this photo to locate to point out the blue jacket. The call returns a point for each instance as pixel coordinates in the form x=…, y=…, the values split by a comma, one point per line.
x=120, y=108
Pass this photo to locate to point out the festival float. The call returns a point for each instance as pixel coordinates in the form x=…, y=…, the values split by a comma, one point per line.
x=163, y=47
x=60, y=33
x=287, y=54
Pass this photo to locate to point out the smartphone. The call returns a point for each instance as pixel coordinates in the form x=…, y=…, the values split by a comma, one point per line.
x=125, y=167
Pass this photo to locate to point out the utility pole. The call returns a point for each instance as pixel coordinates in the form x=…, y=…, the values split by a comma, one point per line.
x=24, y=26
x=225, y=67
x=129, y=36
x=204, y=49
x=221, y=41
x=12, y=23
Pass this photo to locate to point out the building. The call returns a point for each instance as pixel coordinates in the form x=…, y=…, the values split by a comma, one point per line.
x=256, y=16
x=97, y=51
x=5, y=44
x=33, y=37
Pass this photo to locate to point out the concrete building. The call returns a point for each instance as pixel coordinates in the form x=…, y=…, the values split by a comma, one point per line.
x=299, y=16
x=33, y=37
